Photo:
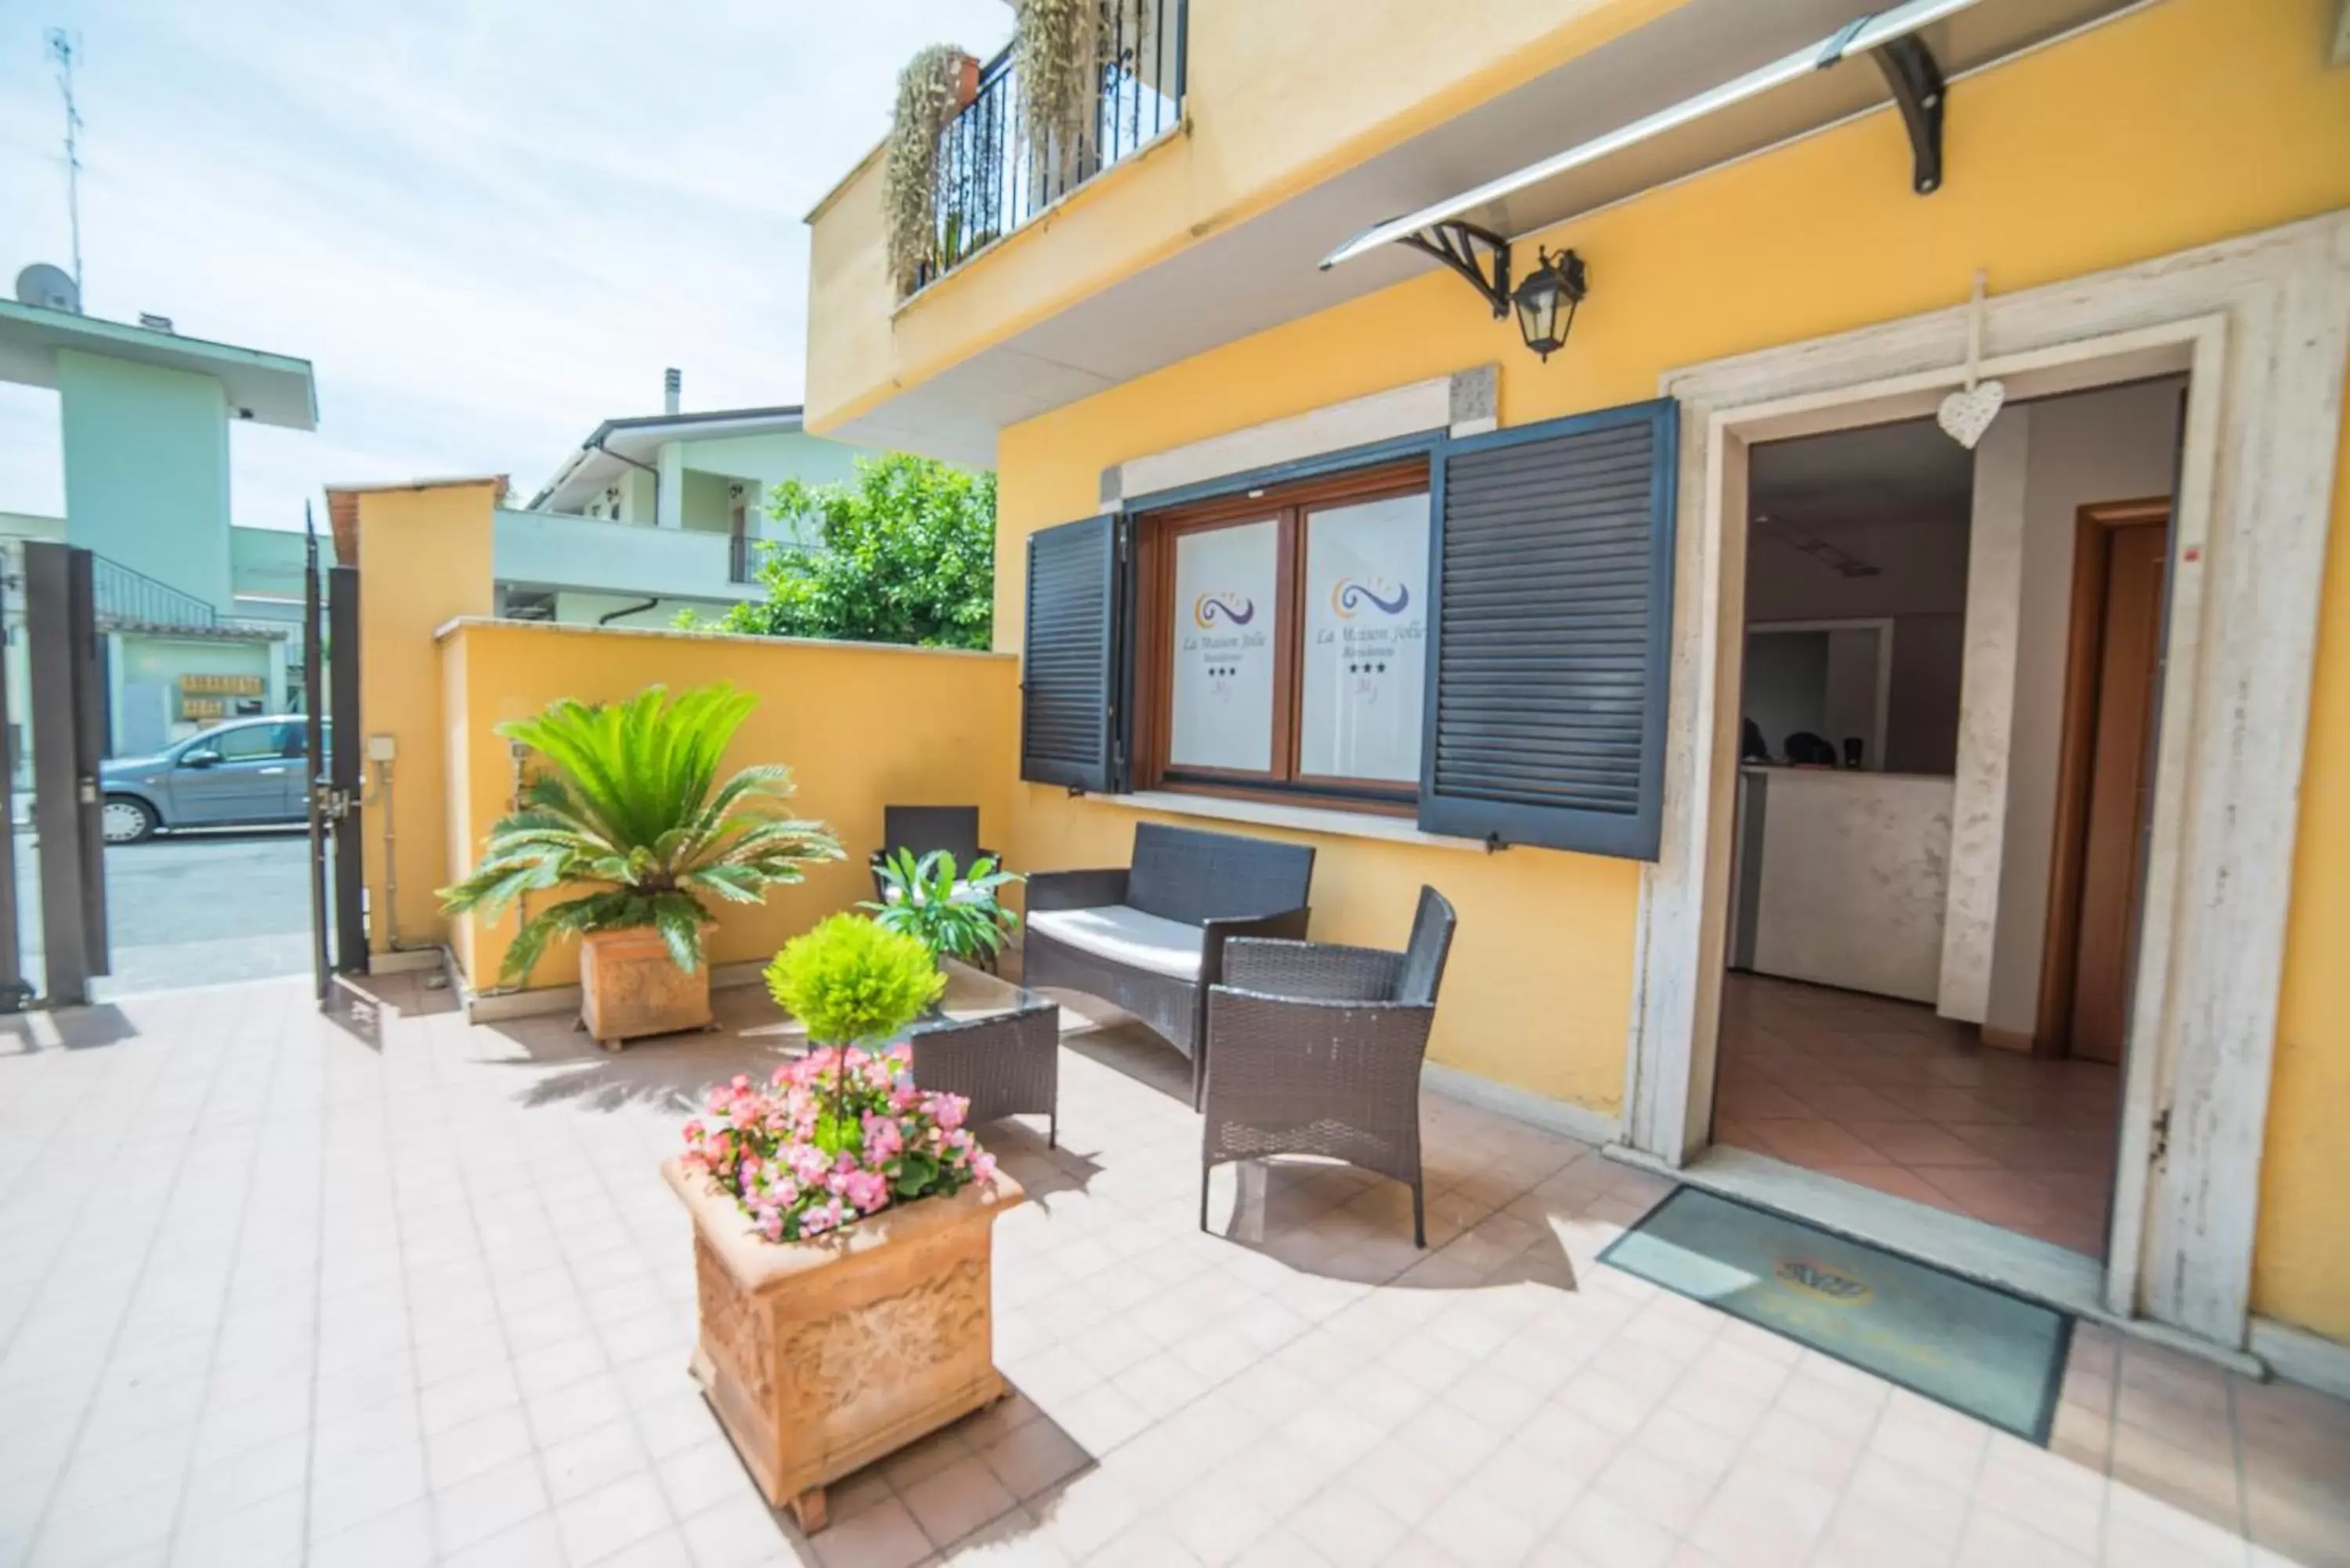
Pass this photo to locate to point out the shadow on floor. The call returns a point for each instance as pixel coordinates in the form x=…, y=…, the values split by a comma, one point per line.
x=65, y=1029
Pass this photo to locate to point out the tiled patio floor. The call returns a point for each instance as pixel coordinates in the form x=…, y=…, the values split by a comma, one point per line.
x=390, y=1291
x=1885, y=1094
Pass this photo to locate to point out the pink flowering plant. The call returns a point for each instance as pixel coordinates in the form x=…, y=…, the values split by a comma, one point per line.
x=842, y=1132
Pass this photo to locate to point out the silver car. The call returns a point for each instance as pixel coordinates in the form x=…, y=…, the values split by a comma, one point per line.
x=241, y=773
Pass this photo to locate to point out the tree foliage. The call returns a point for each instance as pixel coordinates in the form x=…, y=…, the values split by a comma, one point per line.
x=906, y=552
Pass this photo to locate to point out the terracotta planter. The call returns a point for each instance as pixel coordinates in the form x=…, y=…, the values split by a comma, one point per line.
x=821, y=1356
x=966, y=70
x=630, y=986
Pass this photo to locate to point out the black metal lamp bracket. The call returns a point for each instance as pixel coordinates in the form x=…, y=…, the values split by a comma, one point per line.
x=1478, y=255
x=1917, y=90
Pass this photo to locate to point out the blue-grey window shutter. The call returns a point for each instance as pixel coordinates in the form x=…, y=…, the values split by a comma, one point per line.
x=1553, y=563
x=1069, y=697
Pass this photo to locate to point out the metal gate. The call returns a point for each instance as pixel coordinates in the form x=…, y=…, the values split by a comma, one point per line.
x=330, y=688
x=69, y=724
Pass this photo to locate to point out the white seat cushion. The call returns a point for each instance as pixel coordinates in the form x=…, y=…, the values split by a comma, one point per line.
x=1127, y=937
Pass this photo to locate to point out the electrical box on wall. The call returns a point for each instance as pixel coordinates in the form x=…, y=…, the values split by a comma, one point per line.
x=381, y=748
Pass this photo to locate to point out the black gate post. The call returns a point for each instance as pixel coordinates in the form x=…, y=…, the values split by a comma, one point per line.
x=68, y=715
x=349, y=747
x=14, y=991
x=313, y=755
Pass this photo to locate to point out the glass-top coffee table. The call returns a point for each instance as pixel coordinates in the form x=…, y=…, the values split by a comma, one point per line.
x=995, y=1042
x=990, y=1040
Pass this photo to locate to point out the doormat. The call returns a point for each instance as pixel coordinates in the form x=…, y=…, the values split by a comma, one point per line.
x=1974, y=1347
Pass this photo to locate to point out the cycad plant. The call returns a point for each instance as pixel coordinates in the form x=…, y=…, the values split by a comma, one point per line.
x=632, y=811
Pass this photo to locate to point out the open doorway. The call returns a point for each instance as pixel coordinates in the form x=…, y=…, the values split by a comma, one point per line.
x=1867, y=1032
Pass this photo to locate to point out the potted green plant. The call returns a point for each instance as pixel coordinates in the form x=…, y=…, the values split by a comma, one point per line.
x=954, y=915
x=842, y=1224
x=629, y=814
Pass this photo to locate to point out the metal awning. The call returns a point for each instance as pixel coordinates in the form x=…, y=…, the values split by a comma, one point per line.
x=1532, y=198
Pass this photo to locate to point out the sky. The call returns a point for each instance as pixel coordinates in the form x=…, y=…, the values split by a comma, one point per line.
x=487, y=223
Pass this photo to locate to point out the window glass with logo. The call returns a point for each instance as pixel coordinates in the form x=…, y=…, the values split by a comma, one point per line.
x=1365, y=655
x=1283, y=641
x=1227, y=583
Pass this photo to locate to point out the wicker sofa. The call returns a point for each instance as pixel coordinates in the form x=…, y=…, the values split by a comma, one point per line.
x=1150, y=937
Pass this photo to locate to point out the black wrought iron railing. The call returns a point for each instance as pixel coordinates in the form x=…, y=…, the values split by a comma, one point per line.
x=998, y=169
x=121, y=594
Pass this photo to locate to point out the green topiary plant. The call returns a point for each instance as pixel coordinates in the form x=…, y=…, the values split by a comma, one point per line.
x=634, y=811
x=928, y=91
x=849, y=981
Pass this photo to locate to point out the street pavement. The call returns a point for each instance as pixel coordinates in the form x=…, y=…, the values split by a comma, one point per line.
x=200, y=909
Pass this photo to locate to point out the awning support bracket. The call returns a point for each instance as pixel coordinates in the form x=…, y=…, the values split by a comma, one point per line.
x=1457, y=245
x=1916, y=79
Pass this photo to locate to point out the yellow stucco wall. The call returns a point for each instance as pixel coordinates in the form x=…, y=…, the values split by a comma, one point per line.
x=2174, y=126
x=1281, y=97
x=860, y=726
x=423, y=558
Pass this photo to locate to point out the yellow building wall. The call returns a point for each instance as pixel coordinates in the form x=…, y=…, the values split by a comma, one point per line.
x=423, y=559
x=1279, y=97
x=861, y=725
x=2174, y=126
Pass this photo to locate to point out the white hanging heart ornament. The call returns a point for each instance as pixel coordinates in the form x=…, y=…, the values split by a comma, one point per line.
x=1964, y=416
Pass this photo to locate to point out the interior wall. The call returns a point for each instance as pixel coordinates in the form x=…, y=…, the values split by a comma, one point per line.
x=1921, y=585
x=2120, y=443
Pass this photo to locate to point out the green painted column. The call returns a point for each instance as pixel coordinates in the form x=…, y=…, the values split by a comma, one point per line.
x=147, y=473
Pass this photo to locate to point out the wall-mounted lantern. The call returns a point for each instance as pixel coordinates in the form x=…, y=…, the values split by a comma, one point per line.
x=1545, y=300
x=1558, y=281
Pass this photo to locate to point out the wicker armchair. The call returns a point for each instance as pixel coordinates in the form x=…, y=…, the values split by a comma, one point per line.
x=1314, y=1048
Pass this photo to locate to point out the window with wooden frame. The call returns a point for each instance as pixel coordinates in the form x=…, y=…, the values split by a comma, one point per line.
x=1282, y=641
x=1478, y=638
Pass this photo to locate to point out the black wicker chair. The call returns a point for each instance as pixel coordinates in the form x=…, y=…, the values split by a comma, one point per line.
x=1150, y=937
x=922, y=828
x=1313, y=1048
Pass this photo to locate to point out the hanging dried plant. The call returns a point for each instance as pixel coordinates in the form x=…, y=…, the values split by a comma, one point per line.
x=928, y=89
x=1059, y=47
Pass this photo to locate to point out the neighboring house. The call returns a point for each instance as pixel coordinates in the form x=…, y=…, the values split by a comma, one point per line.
x=1440, y=542
x=145, y=415
x=659, y=513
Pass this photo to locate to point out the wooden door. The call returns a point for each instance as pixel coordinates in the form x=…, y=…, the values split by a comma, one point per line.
x=2119, y=786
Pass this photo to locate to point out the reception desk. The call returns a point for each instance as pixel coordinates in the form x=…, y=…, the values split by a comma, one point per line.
x=1840, y=878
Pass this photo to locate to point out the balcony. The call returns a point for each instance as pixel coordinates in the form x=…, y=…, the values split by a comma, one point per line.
x=549, y=551
x=1301, y=125
x=998, y=171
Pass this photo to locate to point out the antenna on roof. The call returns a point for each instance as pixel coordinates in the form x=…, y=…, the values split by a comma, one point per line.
x=63, y=48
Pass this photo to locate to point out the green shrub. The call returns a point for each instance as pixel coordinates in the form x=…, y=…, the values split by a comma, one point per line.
x=849, y=980
x=920, y=898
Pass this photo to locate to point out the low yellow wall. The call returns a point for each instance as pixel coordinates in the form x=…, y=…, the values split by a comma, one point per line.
x=2180, y=125
x=861, y=725
x=423, y=559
